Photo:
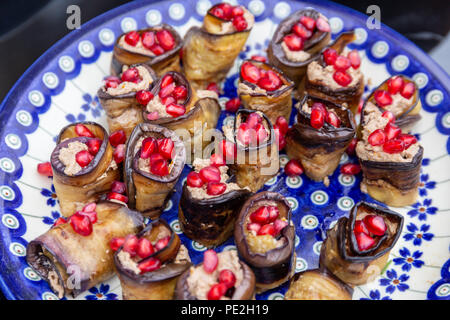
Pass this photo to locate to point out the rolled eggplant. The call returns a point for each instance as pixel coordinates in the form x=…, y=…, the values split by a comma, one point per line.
x=209, y=203
x=118, y=97
x=231, y=279
x=83, y=166
x=72, y=263
x=399, y=95
x=320, y=136
x=317, y=284
x=390, y=160
x=298, y=41
x=264, y=237
x=154, y=160
x=264, y=88
x=357, y=248
x=209, y=51
x=158, y=46
x=257, y=154
x=152, y=272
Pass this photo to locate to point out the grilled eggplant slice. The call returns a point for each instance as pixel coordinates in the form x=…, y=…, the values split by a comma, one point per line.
x=72, y=263
x=317, y=284
x=391, y=167
x=269, y=255
x=294, y=63
x=209, y=51
x=148, y=192
x=158, y=284
x=76, y=186
x=319, y=150
x=161, y=61
x=342, y=255
x=270, y=94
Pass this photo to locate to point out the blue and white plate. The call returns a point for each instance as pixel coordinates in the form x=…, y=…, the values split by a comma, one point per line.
x=61, y=86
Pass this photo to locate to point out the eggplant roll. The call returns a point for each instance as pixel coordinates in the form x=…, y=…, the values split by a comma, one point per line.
x=209, y=51
x=158, y=46
x=320, y=149
x=355, y=250
x=317, y=284
x=77, y=185
x=159, y=282
x=197, y=284
x=269, y=91
x=341, y=87
x=265, y=236
x=257, y=154
x=72, y=263
x=294, y=62
x=390, y=160
x=399, y=95
x=152, y=169
x=118, y=98
x=207, y=213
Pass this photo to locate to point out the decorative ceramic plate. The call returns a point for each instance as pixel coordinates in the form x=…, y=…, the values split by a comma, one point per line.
x=61, y=86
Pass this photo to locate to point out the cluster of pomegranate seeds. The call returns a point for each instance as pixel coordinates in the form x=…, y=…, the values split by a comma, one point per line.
x=143, y=97
x=320, y=115
x=367, y=229
x=341, y=64
x=159, y=151
x=268, y=80
x=117, y=137
x=280, y=129
x=227, y=150
x=395, y=85
x=172, y=96
x=350, y=169
x=112, y=82
x=118, y=191
x=45, y=169
x=252, y=131
x=157, y=42
x=82, y=221
x=227, y=12
x=293, y=168
x=304, y=30
x=265, y=221
x=226, y=278
x=131, y=75
x=233, y=105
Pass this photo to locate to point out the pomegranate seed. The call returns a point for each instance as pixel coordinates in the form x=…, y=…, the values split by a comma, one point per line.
x=232, y=105
x=149, y=146
x=90, y=207
x=377, y=138
x=217, y=160
x=281, y=140
x=321, y=106
x=253, y=119
x=111, y=82
x=308, y=22
x=408, y=140
x=389, y=115
x=180, y=92
x=45, y=169
x=267, y=229
x=162, y=243
x=244, y=134
x=258, y=58
x=360, y=227
x=273, y=213
x=165, y=147
x=240, y=23
x=355, y=60
x=119, y=153
x=131, y=75
x=237, y=11
x=279, y=225
x=59, y=221
x=382, y=98
x=82, y=131
x=155, y=157
x=193, y=180
x=392, y=131
x=364, y=241
x=227, y=277
x=157, y=50
x=217, y=12
x=333, y=119
x=260, y=215
x=408, y=90
x=352, y=146
x=144, y=248
x=117, y=196
x=375, y=224
x=329, y=56
x=148, y=39
x=149, y=265
x=116, y=243
x=217, y=291
x=322, y=25
x=210, y=261
x=153, y=116
x=293, y=168
x=83, y=158
x=166, y=91
x=293, y=42
x=254, y=227
x=168, y=100
x=81, y=224
x=159, y=168
x=94, y=145
x=228, y=150
x=132, y=38
x=130, y=244
x=175, y=110
x=360, y=105
x=143, y=97
x=282, y=124
x=227, y=10
x=118, y=186
x=317, y=117
x=270, y=82
x=342, y=63
x=261, y=133
x=212, y=86
x=91, y=215
x=342, y=78
x=301, y=31
x=210, y=174
x=117, y=137
x=165, y=39
x=215, y=188
x=250, y=72
x=350, y=169
x=393, y=146
x=395, y=84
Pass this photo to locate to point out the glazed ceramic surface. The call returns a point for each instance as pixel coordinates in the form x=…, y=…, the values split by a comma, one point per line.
x=61, y=86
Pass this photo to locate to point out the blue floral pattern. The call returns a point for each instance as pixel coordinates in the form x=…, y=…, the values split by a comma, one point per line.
x=375, y=295
x=51, y=220
x=101, y=294
x=418, y=234
x=408, y=260
x=393, y=282
x=422, y=209
x=92, y=104
x=425, y=185
x=50, y=195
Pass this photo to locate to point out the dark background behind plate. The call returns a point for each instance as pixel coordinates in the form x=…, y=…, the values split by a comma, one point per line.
x=29, y=28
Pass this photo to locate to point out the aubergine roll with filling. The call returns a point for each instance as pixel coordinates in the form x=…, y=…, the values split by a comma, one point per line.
x=154, y=160
x=400, y=96
x=390, y=160
x=209, y=51
x=209, y=202
x=257, y=158
x=265, y=237
x=357, y=248
x=297, y=42
x=149, y=264
x=121, y=97
x=75, y=256
x=336, y=76
x=317, y=284
x=320, y=136
x=264, y=88
x=176, y=105
x=83, y=166
x=158, y=46
x=221, y=276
